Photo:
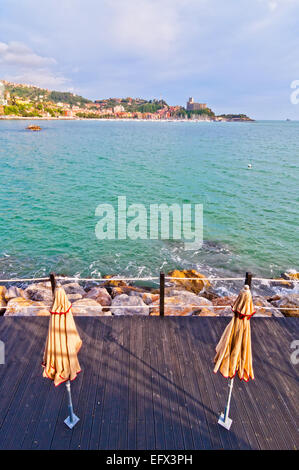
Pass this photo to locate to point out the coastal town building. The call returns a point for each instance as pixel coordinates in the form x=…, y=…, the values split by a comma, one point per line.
x=118, y=109
x=192, y=106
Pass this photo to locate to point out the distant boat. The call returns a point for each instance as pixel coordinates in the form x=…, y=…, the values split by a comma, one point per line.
x=34, y=128
x=249, y=165
x=287, y=119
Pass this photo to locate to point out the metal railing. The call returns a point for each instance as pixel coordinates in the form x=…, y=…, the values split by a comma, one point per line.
x=162, y=278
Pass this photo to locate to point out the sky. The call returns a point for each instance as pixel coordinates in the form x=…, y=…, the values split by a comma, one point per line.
x=238, y=56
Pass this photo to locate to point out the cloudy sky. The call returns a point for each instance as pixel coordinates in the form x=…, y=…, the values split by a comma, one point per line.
x=235, y=55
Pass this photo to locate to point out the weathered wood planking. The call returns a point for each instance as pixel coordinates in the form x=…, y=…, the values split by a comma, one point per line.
x=148, y=383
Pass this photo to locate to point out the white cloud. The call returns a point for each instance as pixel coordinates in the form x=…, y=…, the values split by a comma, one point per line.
x=21, y=64
x=17, y=53
x=40, y=77
x=146, y=28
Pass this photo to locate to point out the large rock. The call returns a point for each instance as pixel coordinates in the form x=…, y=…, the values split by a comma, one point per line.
x=195, y=286
x=41, y=292
x=291, y=274
x=87, y=308
x=113, y=282
x=25, y=307
x=100, y=295
x=183, y=303
x=74, y=288
x=74, y=297
x=147, y=297
x=264, y=305
x=12, y=292
x=284, y=283
x=2, y=299
x=223, y=305
x=122, y=303
x=288, y=305
x=129, y=290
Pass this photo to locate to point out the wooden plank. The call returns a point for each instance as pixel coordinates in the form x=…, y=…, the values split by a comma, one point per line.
x=141, y=386
x=33, y=396
x=179, y=371
x=63, y=435
x=153, y=377
x=109, y=429
x=148, y=391
x=89, y=357
x=281, y=376
x=132, y=386
x=95, y=434
x=198, y=381
x=198, y=336
x=190, y=385
x=18, y=367
x=161, y=368
x=153, y=328
x=237, y=437
x=173, y=405
x=94, y=401
x=124, y=397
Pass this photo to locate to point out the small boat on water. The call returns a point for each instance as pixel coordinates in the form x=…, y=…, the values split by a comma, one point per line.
x=34, y=128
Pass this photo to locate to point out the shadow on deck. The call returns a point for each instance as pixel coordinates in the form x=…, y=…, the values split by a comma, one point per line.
x=148, y=383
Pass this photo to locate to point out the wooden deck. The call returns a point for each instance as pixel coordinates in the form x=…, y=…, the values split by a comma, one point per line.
x=148, y=383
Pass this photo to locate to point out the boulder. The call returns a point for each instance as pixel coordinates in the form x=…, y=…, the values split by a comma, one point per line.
x=12, y=292
x=148, y=298
x=2, y=291
x=123, y=302
x=129, y=290
x=113, y=282
x=87, y=308
x=183, y=303
x=25, y=307
x=226, y=302
x=2, y=299
x=291, y=274
x=288, y=305
x=195, y=286
x=41, y=292
x=281, y=282
x=74, y=288
x=74, y=297
x=100, y=295
x=259, y=301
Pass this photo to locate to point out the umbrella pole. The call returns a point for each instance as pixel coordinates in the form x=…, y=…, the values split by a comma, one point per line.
x=72, y=419
x=224, y=420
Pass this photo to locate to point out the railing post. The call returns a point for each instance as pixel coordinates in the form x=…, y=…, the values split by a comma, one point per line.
x=162, y=293
x=248, y=279
x=53, y=281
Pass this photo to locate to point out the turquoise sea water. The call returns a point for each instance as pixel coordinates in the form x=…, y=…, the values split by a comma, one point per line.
x=53, y=180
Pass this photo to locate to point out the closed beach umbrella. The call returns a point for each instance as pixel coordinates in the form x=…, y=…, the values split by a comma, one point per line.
x=62, y=346
x=233, y=352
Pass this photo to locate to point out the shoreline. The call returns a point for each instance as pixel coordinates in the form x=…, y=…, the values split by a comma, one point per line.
x=66, y=118
x=114, y=296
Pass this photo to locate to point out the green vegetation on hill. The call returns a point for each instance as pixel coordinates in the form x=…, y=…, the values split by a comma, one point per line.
x=132, y=105
x=235, y=117
x=38, y=94
x=184, y=114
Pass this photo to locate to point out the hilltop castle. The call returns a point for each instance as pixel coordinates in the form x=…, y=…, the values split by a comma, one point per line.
x=192, y=106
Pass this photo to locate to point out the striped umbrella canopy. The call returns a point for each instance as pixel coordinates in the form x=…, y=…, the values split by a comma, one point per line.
x=233, y=352
x=63, y=342
x=62, y=346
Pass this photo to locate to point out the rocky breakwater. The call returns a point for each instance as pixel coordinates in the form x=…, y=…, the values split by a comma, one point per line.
x=183, y=297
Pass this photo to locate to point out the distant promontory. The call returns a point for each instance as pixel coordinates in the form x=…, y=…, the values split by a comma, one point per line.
x=19, y=101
